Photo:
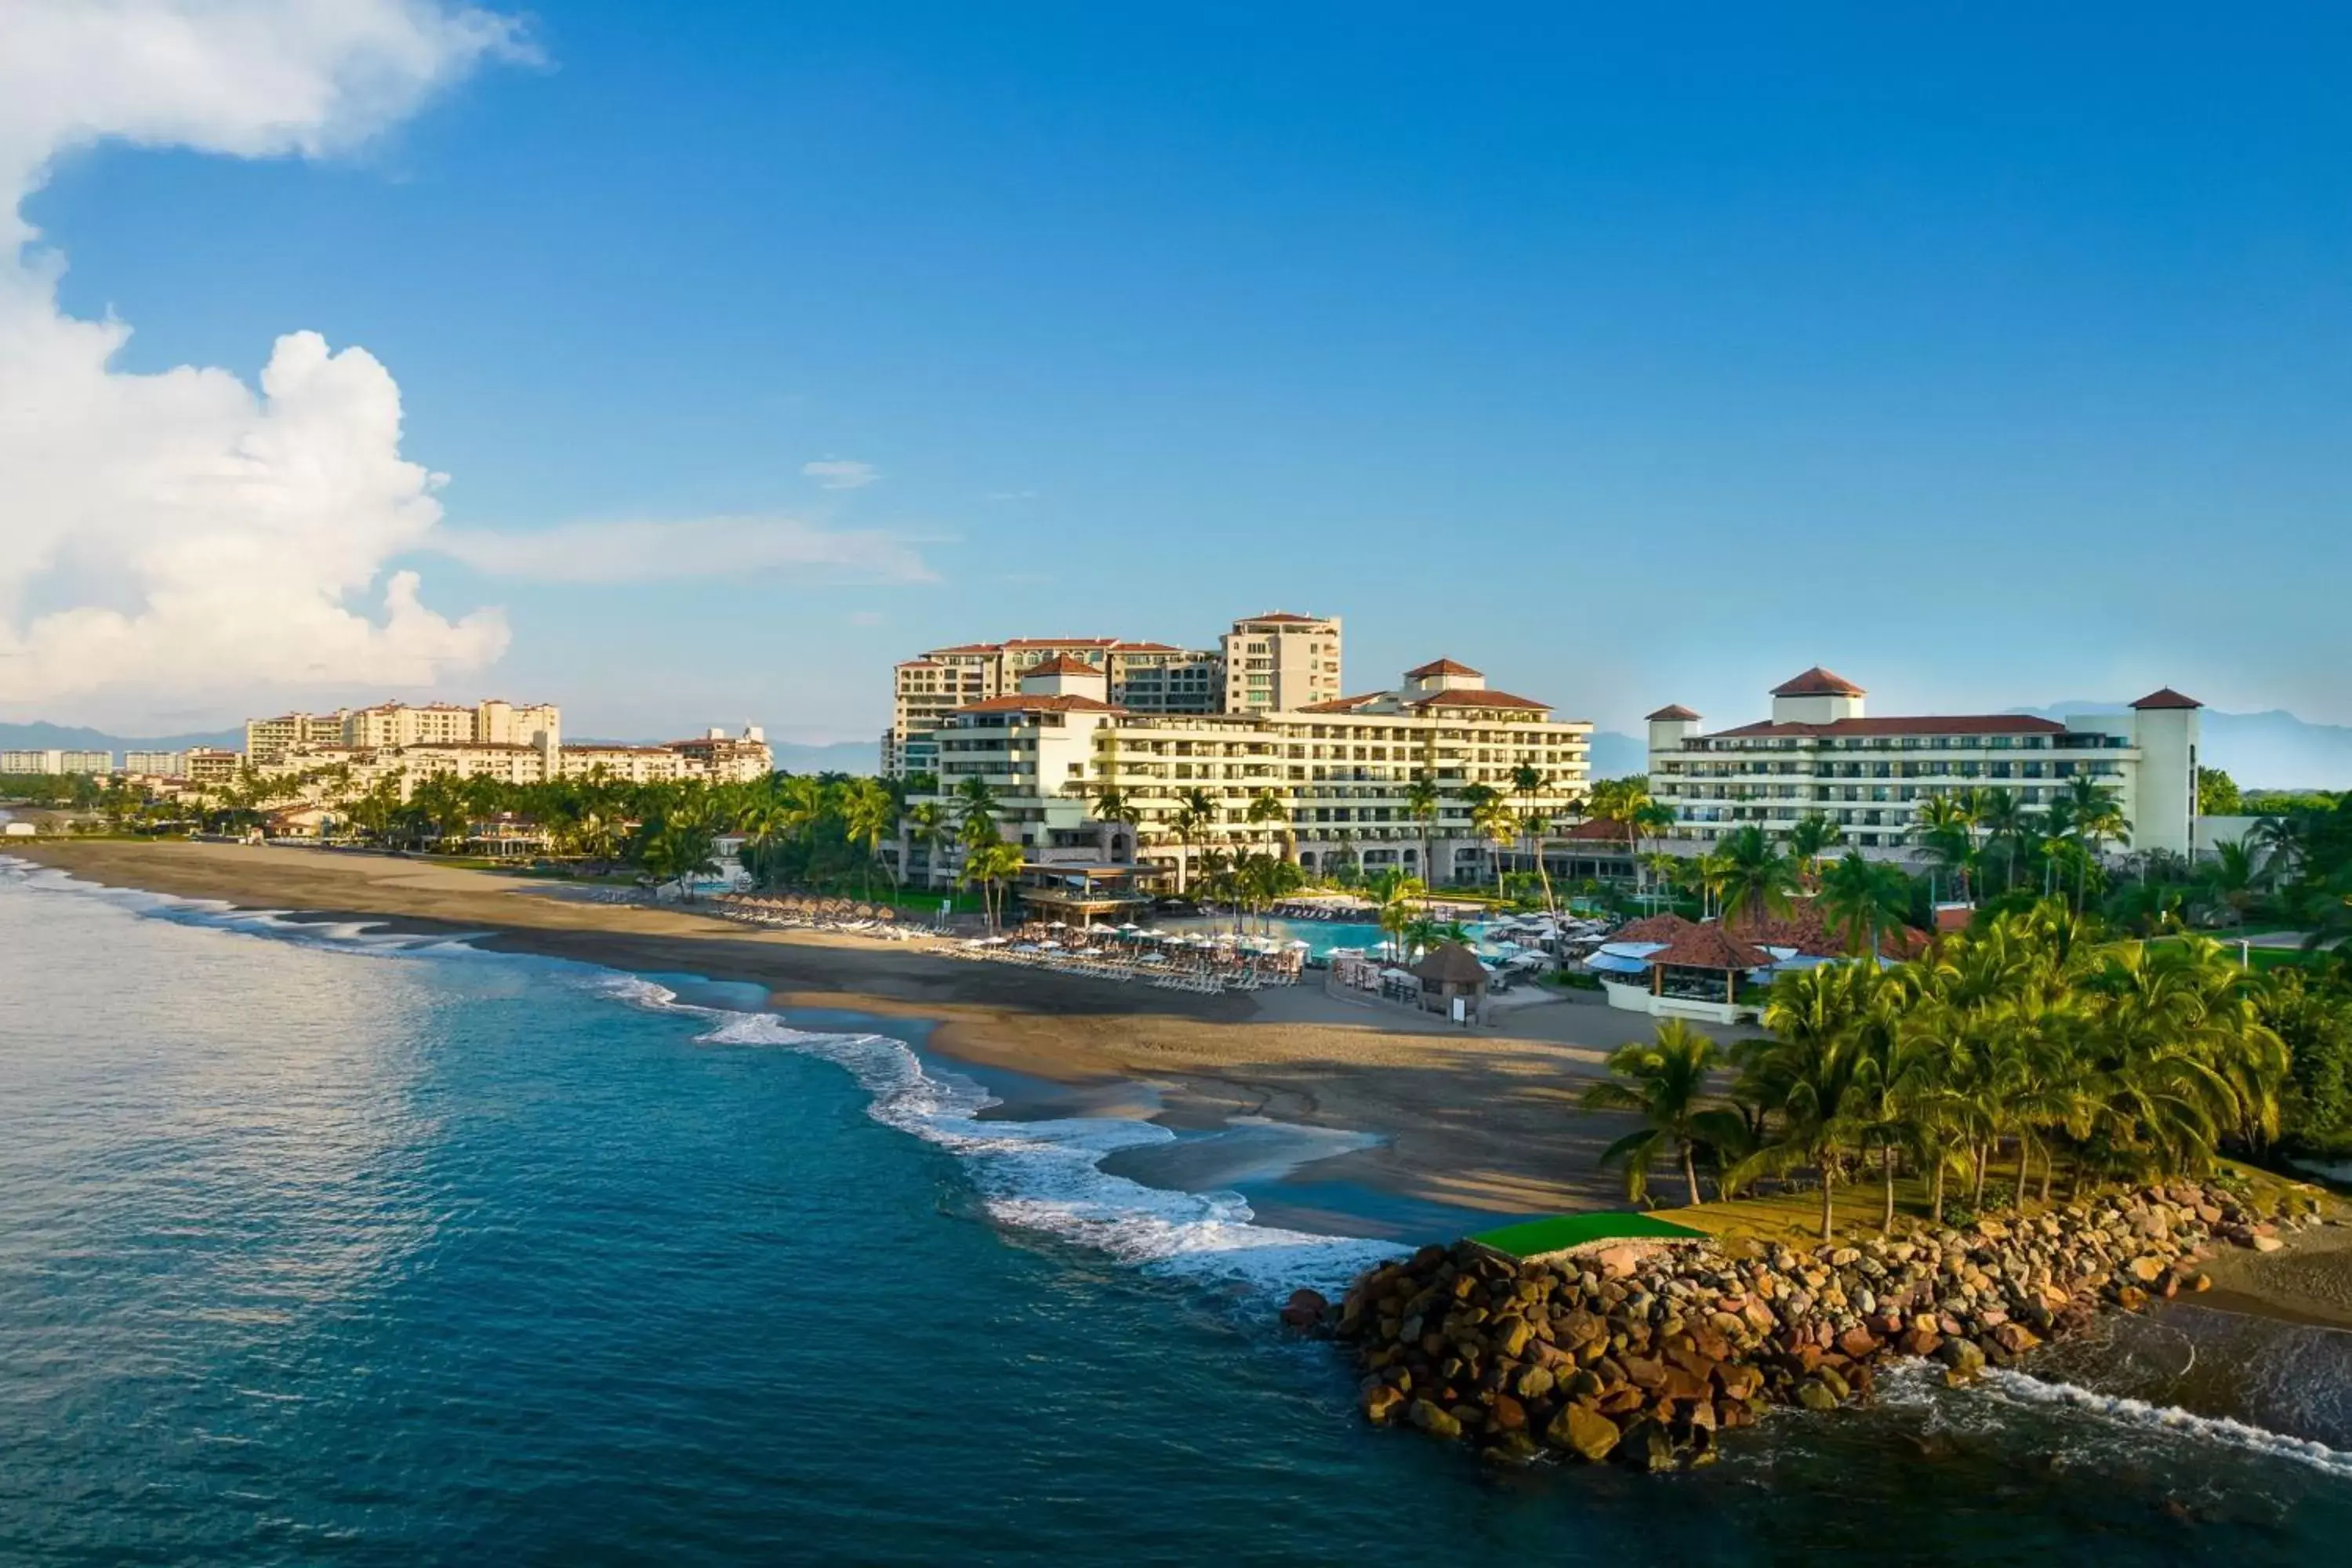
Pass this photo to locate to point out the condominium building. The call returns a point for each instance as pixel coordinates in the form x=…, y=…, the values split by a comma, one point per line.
x=212, y=765
x=1340, y=770
x=491, y=722
x=1280, y=663
x=1821, y=753
x=267, y=740
x=1285, y=661
x=157, y=764
x=723, y=758
x=54, y=759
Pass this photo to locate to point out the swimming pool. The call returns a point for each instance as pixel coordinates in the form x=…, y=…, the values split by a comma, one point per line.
x=1321, y=937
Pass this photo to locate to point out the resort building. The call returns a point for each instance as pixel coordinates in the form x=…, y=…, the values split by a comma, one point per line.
x=1267, y=663
x=267, y=740
x=1280, y=663
x=723, y=758
x=1821, y=753
x=212, y=765
x=55, y=760
x=1339, y=770
x=157, y=764
x=518, y=743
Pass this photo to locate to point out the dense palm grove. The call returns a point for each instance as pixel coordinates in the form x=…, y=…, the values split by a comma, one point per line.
x=2037, y=1049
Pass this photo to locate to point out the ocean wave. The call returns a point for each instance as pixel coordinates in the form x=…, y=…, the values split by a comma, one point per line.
x=1045, y=1177
x=2140, y=1416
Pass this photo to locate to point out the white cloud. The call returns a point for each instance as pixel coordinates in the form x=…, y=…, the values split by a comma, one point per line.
x=840, y=474
x=180, y=533
x=703, y=547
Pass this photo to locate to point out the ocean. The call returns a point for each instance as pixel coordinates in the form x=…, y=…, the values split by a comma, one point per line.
x=319, y=1243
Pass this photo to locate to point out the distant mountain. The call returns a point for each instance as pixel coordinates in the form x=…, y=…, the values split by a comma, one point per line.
x=1615, y=756
x=2261, y=751
x=75, y=737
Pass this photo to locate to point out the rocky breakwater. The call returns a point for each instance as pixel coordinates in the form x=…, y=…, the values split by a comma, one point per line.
x=1643, y=1352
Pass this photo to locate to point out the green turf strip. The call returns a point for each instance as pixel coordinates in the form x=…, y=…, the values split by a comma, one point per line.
x=1538, y=1235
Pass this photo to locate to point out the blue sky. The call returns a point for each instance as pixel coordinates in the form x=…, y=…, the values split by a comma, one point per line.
x=1990, y=356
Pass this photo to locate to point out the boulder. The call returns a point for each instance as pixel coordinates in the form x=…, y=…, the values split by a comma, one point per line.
x=1305, y=1308
x=1961, y=1357
x=1437, y=1423
x=1584, y=1431
x=1813, y=1395
x=1381, y=1403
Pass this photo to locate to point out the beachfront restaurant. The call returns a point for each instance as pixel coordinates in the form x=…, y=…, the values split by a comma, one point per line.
x=1706, y=973
x=1082, y=894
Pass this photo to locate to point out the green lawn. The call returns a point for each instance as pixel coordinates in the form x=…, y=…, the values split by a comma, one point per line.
x=1540, y=1236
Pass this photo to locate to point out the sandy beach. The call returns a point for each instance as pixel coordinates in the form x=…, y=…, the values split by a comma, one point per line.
x=1481, y=1119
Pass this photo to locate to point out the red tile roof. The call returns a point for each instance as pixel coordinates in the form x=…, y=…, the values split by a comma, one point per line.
x=1440, y=667
x=1593, y=829
x=1803, y=928
x=1060, y=642
x=1062, y=664
x=1282, y=616
x=1343, y=704
x=1709, y=947
x=1065, y=703
x=1818, y=682
x=968, y=647
x=1146, y=647
x=1652, y=928
x=2165, y=697
x=1948, y=725
x=1673, y=710
x=1474, y=697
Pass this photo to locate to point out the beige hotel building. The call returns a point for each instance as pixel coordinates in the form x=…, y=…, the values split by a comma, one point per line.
x=1340, y=766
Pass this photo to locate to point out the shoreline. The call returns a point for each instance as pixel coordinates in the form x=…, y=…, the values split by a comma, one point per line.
x=1478, y=1126
x=1466, y=1131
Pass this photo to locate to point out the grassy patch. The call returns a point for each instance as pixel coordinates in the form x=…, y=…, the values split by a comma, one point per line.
x=1539, y=1235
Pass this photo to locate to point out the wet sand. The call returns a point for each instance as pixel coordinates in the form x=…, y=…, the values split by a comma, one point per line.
x=2307, y=1281
x=1480, y=1121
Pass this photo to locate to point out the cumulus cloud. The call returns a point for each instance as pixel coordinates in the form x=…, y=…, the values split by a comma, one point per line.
x=841, y=473
x=183, y=532
x=630, y=552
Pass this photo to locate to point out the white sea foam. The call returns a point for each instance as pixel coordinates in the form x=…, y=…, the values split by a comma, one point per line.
x=2138, y=1416
x=1045, y=1177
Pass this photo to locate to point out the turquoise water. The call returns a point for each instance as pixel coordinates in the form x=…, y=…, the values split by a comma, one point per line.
x=1322, y=937
x=321, y=1246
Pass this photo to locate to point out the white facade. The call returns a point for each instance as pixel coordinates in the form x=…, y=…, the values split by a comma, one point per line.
x=1280, y=663
x=56, y=761
x=1341, y=770
x=1822, y=754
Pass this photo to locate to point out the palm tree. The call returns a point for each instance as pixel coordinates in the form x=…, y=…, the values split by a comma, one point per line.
x=1195, y=813
x=1945, y=832
x=1810, y=836
x=1816, y=1076
x=1528, y=782
x=2003, y=817
x=1664, y=1081
x=1111, y=806
x=1394, y=900
x=1860, y=897
x=1710, y=873
x=1422, y=801
x=1266, y=809
x=928, y=829
x=868, y=812
x=1757, y=878
x=991, y=867
x=2096, y=818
